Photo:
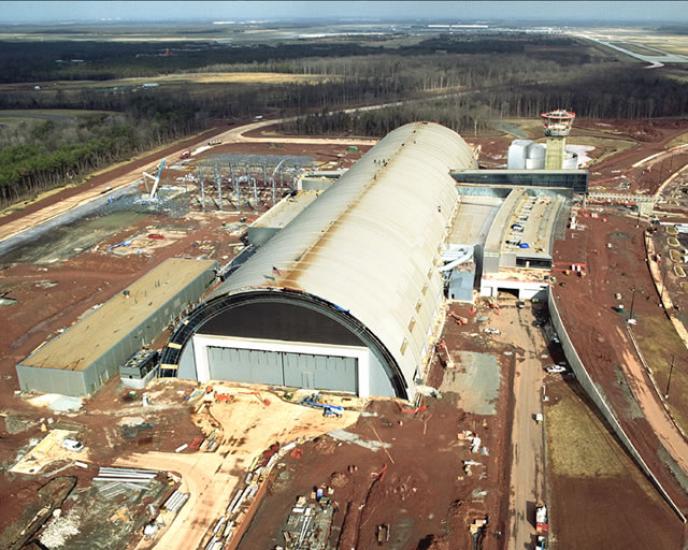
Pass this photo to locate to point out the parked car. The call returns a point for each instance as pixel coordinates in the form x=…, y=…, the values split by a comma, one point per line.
x=490, y=330
x=556, y=369
x=72, y=445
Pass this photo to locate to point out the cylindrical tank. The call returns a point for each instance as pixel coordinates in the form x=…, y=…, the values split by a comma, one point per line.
x=516, y=158
x=537, y=151
x=535, y=164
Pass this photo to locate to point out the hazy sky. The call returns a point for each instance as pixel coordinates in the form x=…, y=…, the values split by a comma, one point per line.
x=47, y=12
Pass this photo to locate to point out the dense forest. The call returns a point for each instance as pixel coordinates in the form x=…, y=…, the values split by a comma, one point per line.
x=614, y=94
x=83, y=60
x=53, y=153
x=464, y=82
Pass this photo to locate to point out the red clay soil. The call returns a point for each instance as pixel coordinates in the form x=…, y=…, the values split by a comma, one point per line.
x=167, y=424
x=493, y=149
x=417, y=485
x=649, y=130
x=652, y=137
x=598, y=332
x=117, y=172
x=83, y=281
x=414, y=489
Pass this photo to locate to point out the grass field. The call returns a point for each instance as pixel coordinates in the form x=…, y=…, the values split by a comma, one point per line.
x=579, y=445
x=520, y=128
x=177, y=79
x=12, y=119
x=668, y=43
x=678, y=140
x=658, y=343
x=609, y=146
x=531, y=128
x=598, y=497
x=636, y=48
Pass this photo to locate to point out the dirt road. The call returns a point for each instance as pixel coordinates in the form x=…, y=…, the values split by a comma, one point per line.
x=527, y=479
x=234, y=135
x=654, y=412
x=37, y=214
x=602, y=341
x=248, y=428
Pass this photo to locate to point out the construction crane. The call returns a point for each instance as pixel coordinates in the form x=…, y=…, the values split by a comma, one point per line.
x=156, y=178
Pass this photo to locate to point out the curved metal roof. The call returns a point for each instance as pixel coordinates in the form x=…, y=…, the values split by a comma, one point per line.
x=371, y=244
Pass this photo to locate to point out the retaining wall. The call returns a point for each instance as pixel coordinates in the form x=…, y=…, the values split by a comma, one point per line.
x=598, y=397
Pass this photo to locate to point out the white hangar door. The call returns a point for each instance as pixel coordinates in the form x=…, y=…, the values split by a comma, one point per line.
x=321, y=372
x=245, y=365
x=299, y=370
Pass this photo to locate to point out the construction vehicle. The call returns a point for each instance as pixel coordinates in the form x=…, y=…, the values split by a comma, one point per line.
x=477, y=531
x=327, y=409
x=541, y=520
x=382, y=533
x=73, y=445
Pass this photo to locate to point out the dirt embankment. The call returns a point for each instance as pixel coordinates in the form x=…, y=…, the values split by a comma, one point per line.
x=611, y=248
x=599, y=498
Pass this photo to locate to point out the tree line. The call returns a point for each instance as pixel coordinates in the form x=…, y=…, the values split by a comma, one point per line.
x=472, y=84
x=54, y=153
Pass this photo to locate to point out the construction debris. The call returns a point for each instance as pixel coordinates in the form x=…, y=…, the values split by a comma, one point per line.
x=59, y=529
x=309, y=524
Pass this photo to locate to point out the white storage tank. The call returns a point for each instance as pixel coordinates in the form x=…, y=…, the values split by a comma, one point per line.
x=516, y=158
x=537, y=151
x=535, y=164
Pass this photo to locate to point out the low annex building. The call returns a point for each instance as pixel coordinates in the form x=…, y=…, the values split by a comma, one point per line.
x=87, y=354
x=349, y=295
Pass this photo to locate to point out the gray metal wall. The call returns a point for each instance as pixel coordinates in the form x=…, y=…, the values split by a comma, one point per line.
x=597, y=396
x=65, y=382
x=90, y=379
x=379, y=381
x=490, y=262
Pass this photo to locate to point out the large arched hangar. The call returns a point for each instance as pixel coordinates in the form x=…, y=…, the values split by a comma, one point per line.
x=348, y=296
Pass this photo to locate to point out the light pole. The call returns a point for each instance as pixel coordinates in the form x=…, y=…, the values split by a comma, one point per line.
x=630, y=313
x=671, y=371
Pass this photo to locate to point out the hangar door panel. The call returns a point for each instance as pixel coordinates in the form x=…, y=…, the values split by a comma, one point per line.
x=300, y=370
x=322, y=372
x=245, y=365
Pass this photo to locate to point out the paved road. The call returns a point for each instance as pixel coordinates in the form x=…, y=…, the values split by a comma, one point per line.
x=234, y=135
x=527, y=466
x=655, y=61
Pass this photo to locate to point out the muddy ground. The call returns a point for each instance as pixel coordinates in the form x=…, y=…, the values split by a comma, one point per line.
x=612, y=251
x=616, y=174
x=598, y=496
x=417, y=485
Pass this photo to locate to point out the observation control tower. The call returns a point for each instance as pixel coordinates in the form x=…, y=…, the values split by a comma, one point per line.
x=557, y=126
